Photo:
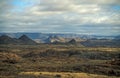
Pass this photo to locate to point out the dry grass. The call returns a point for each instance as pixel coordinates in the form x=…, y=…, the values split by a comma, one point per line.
x=52, y=59
x=67, y=75
x=9, y=57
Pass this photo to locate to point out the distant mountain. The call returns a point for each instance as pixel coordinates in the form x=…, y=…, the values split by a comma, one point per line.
x=4, y=39
x=26, y=40
x=62, y=38
x=38, y=41
x=59, y=39
x=73, y=41
x=44, y=36
x=101, y=43
x=117, y=37
x=31, y=35
x=54, y=39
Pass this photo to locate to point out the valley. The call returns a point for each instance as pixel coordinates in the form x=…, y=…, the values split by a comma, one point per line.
x=17, y=60
x=59, y=57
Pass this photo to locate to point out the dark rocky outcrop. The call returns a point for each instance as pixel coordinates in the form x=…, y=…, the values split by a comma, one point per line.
x=4, y=39
x=26, y=40
x=73, y=41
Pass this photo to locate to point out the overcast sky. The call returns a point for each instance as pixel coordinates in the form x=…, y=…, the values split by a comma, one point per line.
x=99, y=17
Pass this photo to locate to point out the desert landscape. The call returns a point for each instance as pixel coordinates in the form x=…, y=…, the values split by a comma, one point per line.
x=57, y=60
x=59, y=38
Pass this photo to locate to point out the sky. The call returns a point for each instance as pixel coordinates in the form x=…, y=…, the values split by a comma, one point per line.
x=94, y=17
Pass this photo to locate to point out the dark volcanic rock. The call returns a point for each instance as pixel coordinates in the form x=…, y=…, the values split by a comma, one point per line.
x=4, y=39
x=26, y=40
x=73, y=41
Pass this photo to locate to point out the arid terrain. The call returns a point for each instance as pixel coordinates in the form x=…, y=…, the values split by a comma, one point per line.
x=59, y=38
x=58, y=61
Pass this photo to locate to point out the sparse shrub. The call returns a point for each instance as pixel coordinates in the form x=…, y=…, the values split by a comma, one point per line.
x=57, y=76
x=10, y=58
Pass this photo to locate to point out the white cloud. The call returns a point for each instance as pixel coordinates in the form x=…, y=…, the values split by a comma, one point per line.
x=96, y=2
x=59, y=14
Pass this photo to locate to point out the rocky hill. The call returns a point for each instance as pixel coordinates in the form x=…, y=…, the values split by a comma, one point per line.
x=52, y=39
x=4, y=39
x=73, y=41
x=26, y=40
x=101, y=43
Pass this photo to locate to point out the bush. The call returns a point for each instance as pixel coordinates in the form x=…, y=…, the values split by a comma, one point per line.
x=10, y=58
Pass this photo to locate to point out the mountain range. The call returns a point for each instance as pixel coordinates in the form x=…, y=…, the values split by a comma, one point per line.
x=36, y=38
x=44, y=36
x=4, y=39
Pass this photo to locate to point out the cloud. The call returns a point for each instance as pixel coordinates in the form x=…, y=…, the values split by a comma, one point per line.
x=78, y=16
x=56, y=6
x=103, y=2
